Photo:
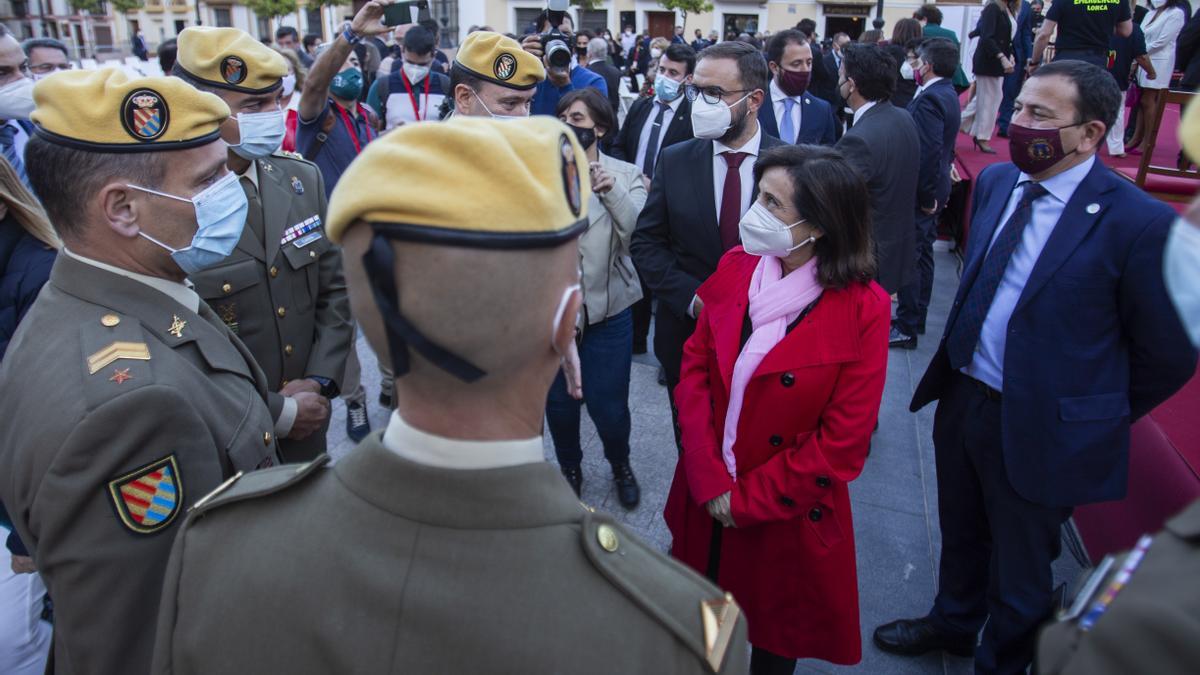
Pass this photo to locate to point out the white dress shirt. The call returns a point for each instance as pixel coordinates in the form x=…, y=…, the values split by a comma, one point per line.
x=20, y=138
x=648, y=126
x=987, y=366
x=746, y=170
x=453, y=453
x=777, y=98
x=928, y=84
x=863, y=110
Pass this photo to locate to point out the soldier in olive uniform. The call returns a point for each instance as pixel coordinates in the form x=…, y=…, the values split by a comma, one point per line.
x=125, y=397
x=282, y=290
x=447, y=544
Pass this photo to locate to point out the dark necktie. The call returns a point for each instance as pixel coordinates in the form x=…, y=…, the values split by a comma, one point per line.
x=254, y=216
x=731, y=200
x=964, y=334
x=652, y=144
x=8, y=147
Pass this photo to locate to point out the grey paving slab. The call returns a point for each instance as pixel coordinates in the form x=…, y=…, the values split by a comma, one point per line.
x=894, y=501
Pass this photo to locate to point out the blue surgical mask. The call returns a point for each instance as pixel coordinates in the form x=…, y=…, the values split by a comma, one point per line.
x=666, y=89
x=262, y=133
x=220, y=216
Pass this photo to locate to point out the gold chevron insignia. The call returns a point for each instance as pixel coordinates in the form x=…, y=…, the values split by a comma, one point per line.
x=719, y=617
x=118, y=350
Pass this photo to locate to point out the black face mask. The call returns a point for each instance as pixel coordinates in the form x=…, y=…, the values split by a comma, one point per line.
x=586, y=135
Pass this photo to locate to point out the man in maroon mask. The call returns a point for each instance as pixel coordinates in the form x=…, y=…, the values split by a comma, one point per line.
x=1061, y=335
x=793, y=115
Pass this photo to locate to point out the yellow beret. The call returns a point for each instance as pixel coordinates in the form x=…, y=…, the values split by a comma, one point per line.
x=472, y=182
x=1189, y=130
x=106, y=111
x=228, y=58
x=499, y=60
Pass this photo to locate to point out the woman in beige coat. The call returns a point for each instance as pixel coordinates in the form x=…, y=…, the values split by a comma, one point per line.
x=610, y=287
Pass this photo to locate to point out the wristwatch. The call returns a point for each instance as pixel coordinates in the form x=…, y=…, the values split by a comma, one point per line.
x=329, y=388
x=348, y=33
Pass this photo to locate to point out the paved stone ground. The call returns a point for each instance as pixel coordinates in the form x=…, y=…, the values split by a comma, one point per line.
x=894, y=500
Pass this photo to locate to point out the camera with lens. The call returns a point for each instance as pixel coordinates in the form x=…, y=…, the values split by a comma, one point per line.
x=556, y=45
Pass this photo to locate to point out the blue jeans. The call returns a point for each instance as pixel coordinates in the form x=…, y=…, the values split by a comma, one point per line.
x=605, y=357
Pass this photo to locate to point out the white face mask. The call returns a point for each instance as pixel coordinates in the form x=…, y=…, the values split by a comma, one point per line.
x=906, y=71
x=16, y=99
x=763, y=234
x=655, y=52
x=415, y=72
x=1181, y=271
x=501, y=118
x=289, y=84
x=262, y=133
x=712, y=120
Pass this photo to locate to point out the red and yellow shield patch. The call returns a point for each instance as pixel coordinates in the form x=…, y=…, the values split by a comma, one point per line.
x=147, y=499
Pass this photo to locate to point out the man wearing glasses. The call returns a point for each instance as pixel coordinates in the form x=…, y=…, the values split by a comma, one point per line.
x=16, y=102
x=699, y=192
x=46, y=56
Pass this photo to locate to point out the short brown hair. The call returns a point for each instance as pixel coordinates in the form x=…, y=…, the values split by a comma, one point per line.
x=831, y=195
x=598, y=107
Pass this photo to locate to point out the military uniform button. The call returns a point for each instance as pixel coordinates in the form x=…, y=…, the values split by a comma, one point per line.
x=287, y=350
x=815, y=514
x=787, y=501
x=227, y=288
x=823, y=481
x=110, y=320
x=282, y=312
x=266, y=438
x=787, y=379
x=274, y=271
x=607, y=536
x=776, y=441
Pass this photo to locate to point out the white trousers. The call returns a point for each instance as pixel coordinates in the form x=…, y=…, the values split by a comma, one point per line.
x=979, y=117
x=24, y=637
x=1116, y=135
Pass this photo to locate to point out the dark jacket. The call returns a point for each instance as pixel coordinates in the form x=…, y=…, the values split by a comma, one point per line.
x=995, y=37
x=25, y=266
x=612, y=80
x=936, y=114
x=824, y=76
x=1093, y=344
x=677, y=243
x=883, y=145
x=626, y=145
x=1187, y=54
x=905, y=89
x=817, y=126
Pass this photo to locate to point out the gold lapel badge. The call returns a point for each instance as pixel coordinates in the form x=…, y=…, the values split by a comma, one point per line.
x=177, y=326
x=116, y=351
x=719, y=617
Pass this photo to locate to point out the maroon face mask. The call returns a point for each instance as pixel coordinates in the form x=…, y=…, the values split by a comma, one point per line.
x=1035, y=150
x=793, y=82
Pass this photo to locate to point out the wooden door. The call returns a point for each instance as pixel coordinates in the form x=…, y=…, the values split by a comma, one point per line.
x=662, y=24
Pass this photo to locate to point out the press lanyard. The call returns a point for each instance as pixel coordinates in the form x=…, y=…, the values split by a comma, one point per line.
x=350, y=127
x=411, y=97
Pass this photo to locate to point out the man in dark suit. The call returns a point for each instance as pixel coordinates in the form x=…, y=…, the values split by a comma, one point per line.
x=791, y=113
x=824, y=80
x=1022, y=51
x=597, y=55
x=1061, y=335
x=883, y=145
x=936, y=114
x=669, y=112
x=700, y=191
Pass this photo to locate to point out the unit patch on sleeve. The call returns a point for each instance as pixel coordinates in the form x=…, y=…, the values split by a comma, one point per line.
x=147, y=499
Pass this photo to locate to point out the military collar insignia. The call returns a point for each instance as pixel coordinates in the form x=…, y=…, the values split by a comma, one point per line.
x=233, y=69
x=505, y=67
x=177, y=326
x=144, y=115
x=570, y=174
x=147, y=499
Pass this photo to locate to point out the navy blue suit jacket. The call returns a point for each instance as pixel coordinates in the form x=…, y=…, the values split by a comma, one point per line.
x=816, y=121
x=1023, y=44
x=936, y=113
x=1093, y=344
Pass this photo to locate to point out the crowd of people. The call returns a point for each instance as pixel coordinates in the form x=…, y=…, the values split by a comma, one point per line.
x=187, y=261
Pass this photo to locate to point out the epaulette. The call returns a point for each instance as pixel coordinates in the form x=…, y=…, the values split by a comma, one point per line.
x=116, y=354
x=255, y=484
x=287, y=154
x=694, y=610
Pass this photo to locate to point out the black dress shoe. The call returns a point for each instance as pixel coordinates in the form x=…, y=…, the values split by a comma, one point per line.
x=900, y=340
x=574, y=476
x=662, y=377
x=913, y=637
x=628, y=492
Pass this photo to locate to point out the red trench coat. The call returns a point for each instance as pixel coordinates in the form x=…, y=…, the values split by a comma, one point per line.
x=804, y=431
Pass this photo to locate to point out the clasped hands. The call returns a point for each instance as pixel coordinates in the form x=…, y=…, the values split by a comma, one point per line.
x=720, y=509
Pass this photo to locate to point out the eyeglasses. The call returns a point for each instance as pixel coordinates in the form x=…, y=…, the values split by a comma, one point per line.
x=711, y=95
x=47, y=68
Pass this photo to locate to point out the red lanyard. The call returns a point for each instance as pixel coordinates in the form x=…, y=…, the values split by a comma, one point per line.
x=350, y=126
x=411, y=97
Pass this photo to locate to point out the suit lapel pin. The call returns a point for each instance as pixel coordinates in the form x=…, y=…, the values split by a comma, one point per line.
x=177, y=326
x=297, y=185
x=1093, y=208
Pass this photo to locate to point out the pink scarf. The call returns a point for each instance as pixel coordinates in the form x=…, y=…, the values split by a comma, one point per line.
x=775, y=302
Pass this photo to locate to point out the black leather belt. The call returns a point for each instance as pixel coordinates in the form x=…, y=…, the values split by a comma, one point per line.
x=988, y=393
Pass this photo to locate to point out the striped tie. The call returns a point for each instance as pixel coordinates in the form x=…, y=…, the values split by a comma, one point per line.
x=8, y=147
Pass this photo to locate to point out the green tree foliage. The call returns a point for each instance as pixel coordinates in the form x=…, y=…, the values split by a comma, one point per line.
x=686, y=6
x=271, y=8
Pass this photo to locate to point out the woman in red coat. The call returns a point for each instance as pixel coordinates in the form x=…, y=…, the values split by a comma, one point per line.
x=778, y=395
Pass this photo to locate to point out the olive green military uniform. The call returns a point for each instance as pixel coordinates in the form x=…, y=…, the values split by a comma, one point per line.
x=399, y=567
x=282, y=290
x=1151, y=624
x=122, y=408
